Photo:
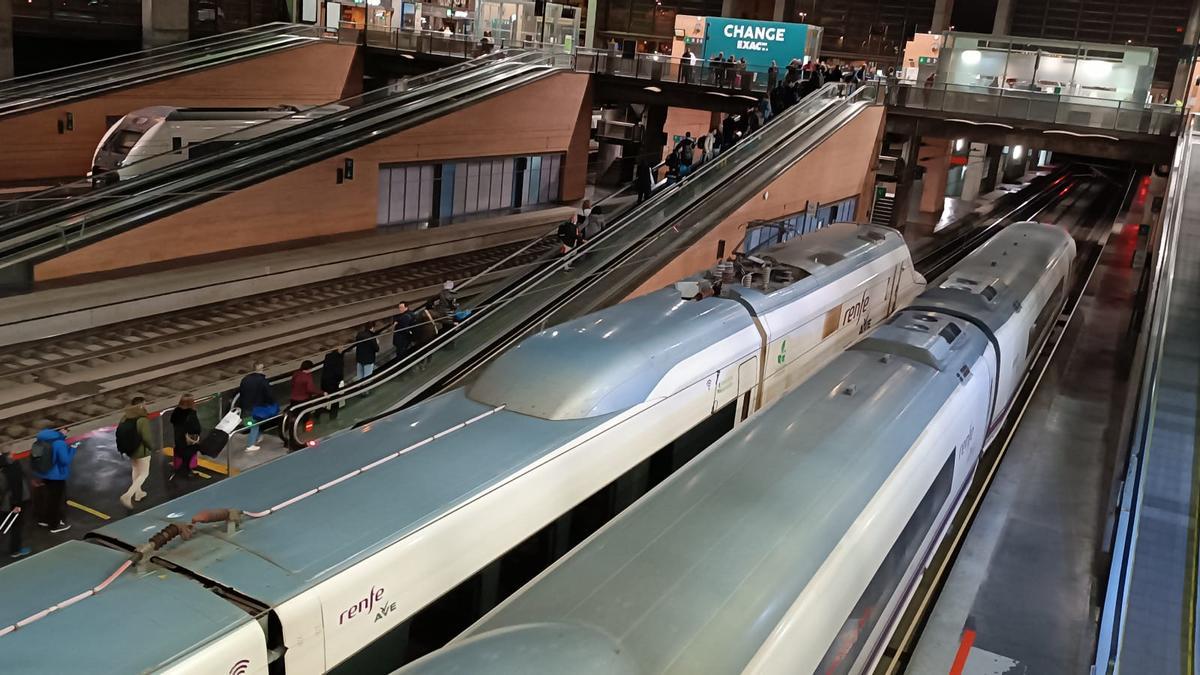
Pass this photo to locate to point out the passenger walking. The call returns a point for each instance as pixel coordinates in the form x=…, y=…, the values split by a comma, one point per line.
x=303, y=387
x=185, y=425
x=402, y=331
x=685, y=151
x=366, y=347
x=686, y=62
x=135, y=442
x=643, y=180
x=717, y=66
x=50, y=459
x=14, y=503
x=333, y=376
x=568, y=237
x=255, y=398
x=773, y=75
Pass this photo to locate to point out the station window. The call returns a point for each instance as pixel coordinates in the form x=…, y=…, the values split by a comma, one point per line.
x=763, y=234
x=431, y=194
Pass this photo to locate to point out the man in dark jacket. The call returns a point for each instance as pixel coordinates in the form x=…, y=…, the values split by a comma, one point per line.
x=365, y=349
x=402, y=330
x=50, y=485
x=14, y=503
x=254, y=393
x=643, y=180
x=333, y=373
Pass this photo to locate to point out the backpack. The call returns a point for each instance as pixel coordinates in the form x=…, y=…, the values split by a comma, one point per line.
x=41, y=456
x=685, y=152
x=129, y=439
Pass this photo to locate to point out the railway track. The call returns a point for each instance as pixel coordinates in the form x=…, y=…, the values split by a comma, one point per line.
x=84, y=376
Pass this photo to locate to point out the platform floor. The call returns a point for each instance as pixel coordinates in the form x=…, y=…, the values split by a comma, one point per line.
x=1020, y=598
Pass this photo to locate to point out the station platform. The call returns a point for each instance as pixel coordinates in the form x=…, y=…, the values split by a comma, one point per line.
x=1021, y=596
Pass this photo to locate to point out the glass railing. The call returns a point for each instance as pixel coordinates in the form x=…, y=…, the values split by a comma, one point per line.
x=498, y=319
x=1036, y=106
x=97, y=188
x=31, y=237
x=1148, y=367
x=28, y=95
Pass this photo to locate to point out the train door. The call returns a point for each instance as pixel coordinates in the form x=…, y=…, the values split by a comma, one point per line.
x=748, y=375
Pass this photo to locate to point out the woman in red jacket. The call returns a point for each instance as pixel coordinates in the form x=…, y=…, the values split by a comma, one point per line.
x=303, y=387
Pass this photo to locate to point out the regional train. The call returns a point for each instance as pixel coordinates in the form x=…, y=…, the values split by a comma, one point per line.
x=382, y=542
x=792, y=545
x=158, y=136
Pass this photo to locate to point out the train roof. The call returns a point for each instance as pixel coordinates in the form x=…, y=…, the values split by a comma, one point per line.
x=622, y=592
x=274, y=558
x=614, y=359
x=821, y=256
x=991, y=281
x=143, y=620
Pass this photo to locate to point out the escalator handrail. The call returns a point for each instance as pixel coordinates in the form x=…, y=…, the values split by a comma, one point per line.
x=36, y=100
x=157, y=180
x=532, y=277
x=44, y=241
x=65, y=72
x=141, y=184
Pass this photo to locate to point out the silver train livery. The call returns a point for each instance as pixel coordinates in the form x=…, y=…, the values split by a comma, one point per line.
x=344, y=547
x=151, y=138
x=792, y=544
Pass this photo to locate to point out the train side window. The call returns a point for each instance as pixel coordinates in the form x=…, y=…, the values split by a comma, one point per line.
x=860, y=624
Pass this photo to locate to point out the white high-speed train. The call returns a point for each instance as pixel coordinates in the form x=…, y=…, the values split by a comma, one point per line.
x=792, y=545
x=382, y=542
x=150, y=138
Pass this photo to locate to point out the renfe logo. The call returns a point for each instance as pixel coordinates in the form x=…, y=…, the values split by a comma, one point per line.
x=363, y=606
x=240, y=667
x=367, y=605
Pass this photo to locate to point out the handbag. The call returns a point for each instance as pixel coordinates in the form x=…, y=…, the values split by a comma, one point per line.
x=265, y=411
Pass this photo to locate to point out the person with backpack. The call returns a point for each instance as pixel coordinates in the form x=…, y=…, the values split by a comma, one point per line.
x=185, y=424
x=686, y=151
x=50, y=459
x=135, y=442
x=14, y=504
x=256, y=400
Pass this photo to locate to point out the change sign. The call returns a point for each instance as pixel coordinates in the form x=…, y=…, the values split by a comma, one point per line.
x=757, y=41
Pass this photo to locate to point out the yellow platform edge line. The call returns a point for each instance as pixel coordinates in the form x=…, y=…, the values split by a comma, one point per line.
x=88, y=509
x=204, y=462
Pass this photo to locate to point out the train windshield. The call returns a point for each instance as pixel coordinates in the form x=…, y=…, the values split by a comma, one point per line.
x=122, y=141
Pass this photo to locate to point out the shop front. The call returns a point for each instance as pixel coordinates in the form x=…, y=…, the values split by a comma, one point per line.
x=1102, y=73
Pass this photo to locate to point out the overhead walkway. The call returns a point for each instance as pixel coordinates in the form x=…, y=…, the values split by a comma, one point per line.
x=66, y=218
x=626, y=254
x=23, y=94
x=1149, y=619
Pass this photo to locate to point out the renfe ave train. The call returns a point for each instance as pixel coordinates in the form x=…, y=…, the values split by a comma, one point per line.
x=791, y=545
x=354, y=554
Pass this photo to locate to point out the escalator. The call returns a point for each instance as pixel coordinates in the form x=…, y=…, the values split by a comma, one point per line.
x=628, y=252
x=23, y=94
x=61, y=220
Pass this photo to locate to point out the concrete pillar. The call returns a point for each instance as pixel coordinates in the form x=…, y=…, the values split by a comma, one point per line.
x=6, y=40
x=654, y=138
x=994, y=153
x=164, y=22
x=589, y=35
x=935, y=158
x=973, y=171
x=727, y=7
x=942, y=9
x=1183, y=70
x=1003, y=22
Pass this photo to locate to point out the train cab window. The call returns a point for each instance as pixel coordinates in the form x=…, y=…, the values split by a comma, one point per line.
x=176, y=143
x=122, y=141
